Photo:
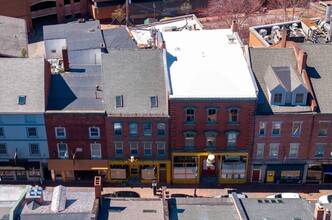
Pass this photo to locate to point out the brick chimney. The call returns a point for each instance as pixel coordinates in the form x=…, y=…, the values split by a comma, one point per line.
x=319, y=212
x=65, y=58
x=302, y=60
x=234, y=26
x=98, y=186
x=284, y=37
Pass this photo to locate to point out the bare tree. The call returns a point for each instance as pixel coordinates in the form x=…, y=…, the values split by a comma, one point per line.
x=186, y=8
x=288, y=7
x=231, y=10
x=119, y=14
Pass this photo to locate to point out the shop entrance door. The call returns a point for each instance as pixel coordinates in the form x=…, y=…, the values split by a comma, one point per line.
x=208, y=170
x=270, y=176
x=256, y=175
x=162, y=176
x=134, y=170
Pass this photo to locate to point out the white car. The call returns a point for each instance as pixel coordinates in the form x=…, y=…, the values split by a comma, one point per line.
x=325, y=199
x=285, y=196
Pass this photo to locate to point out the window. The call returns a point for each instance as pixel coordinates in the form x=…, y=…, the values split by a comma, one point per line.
x=2, y=132
x=161, y=149
x=30, y=118
x=293, y=150
x=210, y=139
x=161, y=129
x=94, y=132
x=34, y=149
x=296, y=130
x=134, y=148
x=299, y=98
x=232, y=139
x=95, y=151
x=32, y=131
x=67, y=2
x=331, y=151
x=190, y=115
x=277, y=98
x=320, y=150
x=118, y=148
x=274, y=148
x=117, y=129
x=262, y=129
x=212, y=115
x=147, y=129
x=63, y=150
x=276, y=126
x=323, y=128
x=154, y=101
x=189, y=139
x=3, y=149
x=76, y=1
x=260, y=150
x=60, y=132
x=147, y=148
x=233, y=115
x=22, y=100
x=133, y=129
x=119, y=101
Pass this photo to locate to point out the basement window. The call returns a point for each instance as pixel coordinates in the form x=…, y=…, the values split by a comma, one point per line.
x=22, y=100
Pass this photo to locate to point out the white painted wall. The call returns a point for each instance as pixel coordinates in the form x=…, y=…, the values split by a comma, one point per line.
x=56, y=45
x=15, y=129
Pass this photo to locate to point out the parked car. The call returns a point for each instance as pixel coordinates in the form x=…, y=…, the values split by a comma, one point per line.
x=239, y=195
x=285, y=196
x=325, y=199
x=122, y=194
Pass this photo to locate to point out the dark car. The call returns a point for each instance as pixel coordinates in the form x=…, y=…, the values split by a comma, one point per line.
x=122, y=194
x=180, y=195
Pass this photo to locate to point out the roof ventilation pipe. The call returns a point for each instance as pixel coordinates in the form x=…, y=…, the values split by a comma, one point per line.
x=328, y=13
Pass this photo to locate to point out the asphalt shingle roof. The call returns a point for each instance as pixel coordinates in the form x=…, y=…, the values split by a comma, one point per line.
x=261, y=60
x=22, y=77
x=136, y=75
x=76, y=90
x=320, y=73
x=118, y=38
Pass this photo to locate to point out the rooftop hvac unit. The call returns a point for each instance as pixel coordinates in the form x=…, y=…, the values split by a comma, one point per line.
x=170, y=28
x=274, y=29
x=263, y=32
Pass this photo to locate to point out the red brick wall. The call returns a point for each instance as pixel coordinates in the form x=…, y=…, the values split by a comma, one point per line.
x=245, y=125
x=77, y=132
x=140, y=137
x=285, y=137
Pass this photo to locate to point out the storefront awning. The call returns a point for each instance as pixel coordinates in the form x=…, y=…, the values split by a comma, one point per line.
x=327, y=169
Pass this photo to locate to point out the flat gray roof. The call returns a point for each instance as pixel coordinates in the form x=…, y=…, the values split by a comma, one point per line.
x=286, y=209
x=136, y=75
x=76, y=90
x=261, y=60
x=13, y=36
x=22, y=77
x=202, y=208
x=319, y=72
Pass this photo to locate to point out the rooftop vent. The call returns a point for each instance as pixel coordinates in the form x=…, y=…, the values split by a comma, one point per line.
x=92, y=30
x=81, y=20
x=34, y=197
x=231, y=38
x=22, y=100
x=102, y=45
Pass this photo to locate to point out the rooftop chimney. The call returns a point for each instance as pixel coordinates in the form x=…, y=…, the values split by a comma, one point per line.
x=328, y=13
x=98, y=186
x=319, y=212
x=65, y=58
x=328, y=215
x=284, y=37
x=234, y=26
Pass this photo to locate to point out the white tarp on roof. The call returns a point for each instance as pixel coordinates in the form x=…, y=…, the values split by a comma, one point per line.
x=59, y=199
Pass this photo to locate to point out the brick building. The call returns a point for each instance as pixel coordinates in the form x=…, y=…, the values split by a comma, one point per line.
x=212, y=105
x=136, y=103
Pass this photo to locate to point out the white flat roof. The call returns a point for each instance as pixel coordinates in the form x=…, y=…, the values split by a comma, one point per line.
x=204, y=64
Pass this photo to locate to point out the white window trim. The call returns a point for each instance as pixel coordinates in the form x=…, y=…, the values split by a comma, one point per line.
x=91, y=150
x=130, y=133
x=327, y=132
x=161, y=135
x=94, y=136
x=121, y=101
x=161, y=147
x=3, y=132
x=4, y=144
x=32, y=136
x=117, y=147
x=155, y=103
x=134, y=148
x=30, y=144
x=276, y=135
x=297, y=145
x=229, y=134
x=147, y=145
x=66, y=156
x=274, y=145
x=262, y=146
x=56, y=133
x=259, y=129
x=325, y=145
x=299, y=122
x=150, y=133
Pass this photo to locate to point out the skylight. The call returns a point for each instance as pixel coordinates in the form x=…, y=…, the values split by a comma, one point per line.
x=21, y=100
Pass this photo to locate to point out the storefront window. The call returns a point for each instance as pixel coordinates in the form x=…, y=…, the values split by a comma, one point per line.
x=34, y=173
x=7, y=174
x=233, y=167
x=119, y=171
x=185, y=167
x=148, y=172
x=290, y=174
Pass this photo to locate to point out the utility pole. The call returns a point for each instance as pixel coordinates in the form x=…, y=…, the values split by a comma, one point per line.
x=127, y=13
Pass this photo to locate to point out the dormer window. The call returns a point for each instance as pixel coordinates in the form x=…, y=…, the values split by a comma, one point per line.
x=277, y=98
x=22, y=100
x=299, y=98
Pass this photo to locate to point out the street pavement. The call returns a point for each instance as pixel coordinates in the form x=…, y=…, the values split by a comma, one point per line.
x=307, y=191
